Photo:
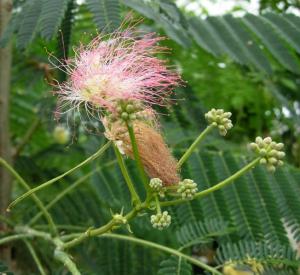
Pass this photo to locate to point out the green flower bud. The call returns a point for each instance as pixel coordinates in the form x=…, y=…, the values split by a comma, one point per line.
x=187, y=188
x=161, y=220
x=220, y=119
x=129, y=108
x=156, y=184
x=270, y=152
x=61, y=134
x=124, y=116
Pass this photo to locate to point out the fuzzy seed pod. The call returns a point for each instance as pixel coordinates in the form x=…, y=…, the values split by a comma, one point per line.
x=154, y=153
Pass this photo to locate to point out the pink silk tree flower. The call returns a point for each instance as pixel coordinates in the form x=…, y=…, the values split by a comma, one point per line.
x=119, y=66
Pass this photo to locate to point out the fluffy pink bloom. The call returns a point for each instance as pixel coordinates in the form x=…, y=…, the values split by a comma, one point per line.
x=120, y=66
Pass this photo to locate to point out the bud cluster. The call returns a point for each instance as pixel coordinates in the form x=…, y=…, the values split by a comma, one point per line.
x=161, y=220
x=187, y=188
x=156, y=185
x=126, y=110
x=270, y=152
x=220, y=119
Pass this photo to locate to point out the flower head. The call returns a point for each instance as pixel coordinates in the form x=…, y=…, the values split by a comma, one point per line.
x=220, y=119
x=271, y=152
x=119, y=66
x=161, y=220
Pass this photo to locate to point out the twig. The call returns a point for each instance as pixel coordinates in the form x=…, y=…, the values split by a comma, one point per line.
x=49, y=182
x=34, y=126
x=35, y=257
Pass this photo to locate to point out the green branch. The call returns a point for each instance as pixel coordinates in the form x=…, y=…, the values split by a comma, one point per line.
x=46, y=184
x=66, y=260
x=134, y=196
x=163, y=248
x=34, y=197
x=79, y=238
x=137, y=158
x=217, y=186
x=15, y=237
x=193, y=146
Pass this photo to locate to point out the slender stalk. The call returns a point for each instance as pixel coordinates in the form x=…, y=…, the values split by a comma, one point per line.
x=15, y=237
x=134, y=196
x=162, y=248
x=35, y=257
x=137, y=158
x=193, y=146
x=34, y=197
x=66, y=260
x=61, y=195
x=158, y=209
x=34, y=126
x=217, y=186
x=47, y=183
x=34, y=233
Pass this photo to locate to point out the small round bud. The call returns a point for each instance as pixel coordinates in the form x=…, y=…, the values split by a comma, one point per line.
x=61, y=134
x=279, y=146
x=272, y=160
x=280, y=155
x=129, y=108
x=267, y=140
x=132, y=117
x=161, y=220
x=262, y=152
x=263, y=161
x=271, y=168
x=124, y=116
x=253, y=146
x=119, y=109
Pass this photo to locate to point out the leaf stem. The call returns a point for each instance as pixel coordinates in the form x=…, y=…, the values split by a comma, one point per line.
x=14, y=238
x=34, y=197
x=162, y=248
x=47, y=183
x=193, y=146
x=35, y=257
x=62, y=194
x=134, y=196
x=137, y=158
x=217, y=186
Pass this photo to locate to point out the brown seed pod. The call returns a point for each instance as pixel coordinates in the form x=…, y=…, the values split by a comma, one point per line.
x=154, y=153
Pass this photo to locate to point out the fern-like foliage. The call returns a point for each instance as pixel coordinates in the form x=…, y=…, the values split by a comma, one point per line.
x=175, y=265
x=106, y=13
x=51, y=17
x=262, y=42
x=29, y=24
x=201, y=232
